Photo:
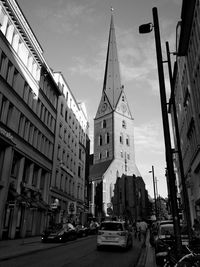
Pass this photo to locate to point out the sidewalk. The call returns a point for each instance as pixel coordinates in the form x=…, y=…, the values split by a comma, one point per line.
x=147, y=256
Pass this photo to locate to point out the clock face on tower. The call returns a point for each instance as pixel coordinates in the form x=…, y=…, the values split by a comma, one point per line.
x=124, y=107
x=104, y=107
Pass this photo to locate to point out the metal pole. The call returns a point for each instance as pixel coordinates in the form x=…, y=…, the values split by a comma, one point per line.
x=154, y=189
x=158, y=206
x=181, y=167
x=165, y=120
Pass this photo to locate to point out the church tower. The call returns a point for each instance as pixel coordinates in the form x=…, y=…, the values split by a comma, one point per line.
x=114, y=152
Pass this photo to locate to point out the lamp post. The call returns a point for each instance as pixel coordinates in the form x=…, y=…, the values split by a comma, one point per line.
x=154, y=189
x=145, y=28
x=178, y=143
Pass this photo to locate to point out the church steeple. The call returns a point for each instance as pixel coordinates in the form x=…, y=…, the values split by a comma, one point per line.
x=112, y=81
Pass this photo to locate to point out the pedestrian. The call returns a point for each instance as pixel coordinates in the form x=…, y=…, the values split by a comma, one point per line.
x=143, y=229
x=138, y=230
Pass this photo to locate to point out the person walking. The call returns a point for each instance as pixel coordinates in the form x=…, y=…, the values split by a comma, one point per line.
x=143, y=229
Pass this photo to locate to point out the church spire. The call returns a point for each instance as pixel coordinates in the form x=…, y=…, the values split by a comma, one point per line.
x=112, y=82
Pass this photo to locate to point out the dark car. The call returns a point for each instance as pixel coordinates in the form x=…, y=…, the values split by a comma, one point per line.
x=59, y=233
x=82, y=230
x=154, y=230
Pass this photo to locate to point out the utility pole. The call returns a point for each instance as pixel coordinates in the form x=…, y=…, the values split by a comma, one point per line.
x=154, y=189
x=168, y=149
x=145, y=28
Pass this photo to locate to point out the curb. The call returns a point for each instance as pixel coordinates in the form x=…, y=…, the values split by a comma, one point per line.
x=24, y=253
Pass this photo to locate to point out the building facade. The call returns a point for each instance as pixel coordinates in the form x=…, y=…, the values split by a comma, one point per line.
x=186, y=86
x=114, y=152
x=70, y=156
x=44, y=143
x=28, y=103
x=129, y=198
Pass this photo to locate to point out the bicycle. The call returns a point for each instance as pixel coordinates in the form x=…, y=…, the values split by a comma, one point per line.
x=191, y=259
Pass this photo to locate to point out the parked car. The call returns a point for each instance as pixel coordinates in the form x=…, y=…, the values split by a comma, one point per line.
x=59, y=233
x=82, y=230
x=93, y=228
x=154, y=230
x=165, y=240
x=114, y=233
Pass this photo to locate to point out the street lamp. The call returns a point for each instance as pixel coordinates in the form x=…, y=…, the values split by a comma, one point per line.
x=154, y=189
x=146, y=28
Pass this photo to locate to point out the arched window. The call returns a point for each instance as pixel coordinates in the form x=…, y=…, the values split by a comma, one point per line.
x=104, y=124
x=107, y=154
x=124, y=124
x=66, y=115
x=127, y=140
x=107, y=137
x=121, y=138
x=100, y=140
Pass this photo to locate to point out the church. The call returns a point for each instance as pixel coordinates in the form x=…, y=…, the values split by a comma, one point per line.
x=114, y=152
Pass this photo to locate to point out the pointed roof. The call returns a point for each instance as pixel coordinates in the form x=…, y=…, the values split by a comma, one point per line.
x=112, y=82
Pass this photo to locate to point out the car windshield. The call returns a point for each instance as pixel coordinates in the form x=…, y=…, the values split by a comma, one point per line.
x=167, y=230
x=111, y=227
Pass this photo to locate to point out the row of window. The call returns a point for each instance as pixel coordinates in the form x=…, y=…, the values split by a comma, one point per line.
x=107, y=139
x=122, y=154
x=34, y=137
x=72, y=121
x=104, y=124
x=32, y=174
x=11, y=75
x=24, y=127
x=17, y=42
x=67, y=185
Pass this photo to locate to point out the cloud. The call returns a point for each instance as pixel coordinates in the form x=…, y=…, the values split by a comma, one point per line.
x=64, y=16
x=148, y=137
x=93, y=70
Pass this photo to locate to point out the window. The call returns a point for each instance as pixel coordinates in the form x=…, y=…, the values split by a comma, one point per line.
x=100, y=140
x=100, y=156
x=107, y=154
x=107, y=138
x=79, y=171
x=127, y=140
x=9, y=70
x=121, y=138
x=60, y=130
x=15, y=78
x=58, y=152
x=124, y=124
x=2, y=62
x=66, y=115
x=121, y=154
x=61, y=109
x=104, y=124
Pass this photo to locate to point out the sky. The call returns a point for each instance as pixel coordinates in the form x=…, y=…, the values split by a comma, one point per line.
x=74, y=37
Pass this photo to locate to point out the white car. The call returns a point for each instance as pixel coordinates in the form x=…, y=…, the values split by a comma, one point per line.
x=114, y=233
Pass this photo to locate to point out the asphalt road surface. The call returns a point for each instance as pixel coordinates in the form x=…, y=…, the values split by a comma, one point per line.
x=79, y=253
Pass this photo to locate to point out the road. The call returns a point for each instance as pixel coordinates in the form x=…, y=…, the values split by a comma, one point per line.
x=79, y=253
